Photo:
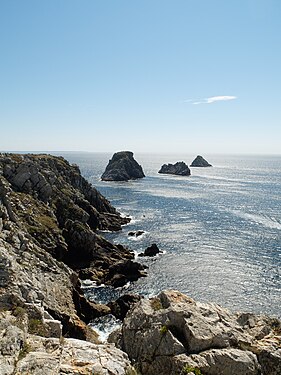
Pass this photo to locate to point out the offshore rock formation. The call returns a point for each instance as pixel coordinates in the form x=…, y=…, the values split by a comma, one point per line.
x=49, y=215
x=199, y=161
x=180, y=169
x=173, y=334
x=151, y=251
x=122, y=167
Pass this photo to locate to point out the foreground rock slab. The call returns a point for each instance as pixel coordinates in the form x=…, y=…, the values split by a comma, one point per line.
x=122, y=167
x=173, y=334
x=24, y=354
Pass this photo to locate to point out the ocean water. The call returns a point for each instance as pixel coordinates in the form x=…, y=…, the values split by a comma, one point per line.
x=219, y=229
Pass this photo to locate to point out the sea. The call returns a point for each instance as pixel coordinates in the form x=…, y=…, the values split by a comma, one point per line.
x=219, y=229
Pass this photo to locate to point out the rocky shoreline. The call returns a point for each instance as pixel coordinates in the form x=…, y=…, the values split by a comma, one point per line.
x=50, y=218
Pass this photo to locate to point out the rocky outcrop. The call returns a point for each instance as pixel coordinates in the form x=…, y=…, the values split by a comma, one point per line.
x=199, y=161
x=24, y=350
x=179, y=168
x=61, y=212
x=122, y=167
x=173, y=334
x=151, y=251
x=49, y=221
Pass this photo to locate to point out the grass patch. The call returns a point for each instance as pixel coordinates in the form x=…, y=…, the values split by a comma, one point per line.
x=36, y=327
x=26, y=348
x=164, y=330
x=19, y=312
x=156, y=304
x=187, y=369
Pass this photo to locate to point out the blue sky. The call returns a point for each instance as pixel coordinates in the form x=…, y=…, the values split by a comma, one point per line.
x=157, y=76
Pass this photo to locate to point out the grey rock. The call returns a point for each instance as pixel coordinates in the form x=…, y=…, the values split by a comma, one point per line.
x=122, y=167
x=171, y=332
x=179, y=168
x=199, y=161
x=30, y=354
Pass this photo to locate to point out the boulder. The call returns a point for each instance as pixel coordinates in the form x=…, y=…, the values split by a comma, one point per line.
x=122, y=272
x=150, y=251
x=122, y=167
x=180, y=169
x=173, y=334
x=199, y=161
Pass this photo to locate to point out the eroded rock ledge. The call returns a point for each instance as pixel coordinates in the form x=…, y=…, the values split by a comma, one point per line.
x=173, y=334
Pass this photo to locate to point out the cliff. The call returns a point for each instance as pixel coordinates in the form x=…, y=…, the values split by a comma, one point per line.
x=49, y=221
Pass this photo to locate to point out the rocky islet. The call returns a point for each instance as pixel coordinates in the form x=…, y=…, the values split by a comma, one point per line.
x=199, y=161
x=179, y=168
x=122, y=167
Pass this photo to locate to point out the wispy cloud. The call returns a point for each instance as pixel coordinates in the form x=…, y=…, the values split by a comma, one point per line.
x=211, y=100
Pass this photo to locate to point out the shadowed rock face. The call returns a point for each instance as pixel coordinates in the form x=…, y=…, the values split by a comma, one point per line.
x=180, y=169
x=122, y=167
x=199, y=161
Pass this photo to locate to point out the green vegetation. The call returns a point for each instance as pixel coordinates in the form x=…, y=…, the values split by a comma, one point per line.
x=156, y=304
x=163, y=330
x=36, y=327
x=19, y=312
x=187, y=369
x=26, y=348
x=131, y=371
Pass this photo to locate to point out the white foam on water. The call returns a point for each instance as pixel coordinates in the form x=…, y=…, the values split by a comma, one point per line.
x=105, y=325
x=266, y=221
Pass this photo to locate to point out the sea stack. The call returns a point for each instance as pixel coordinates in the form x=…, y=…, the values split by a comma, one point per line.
x=199, y=161
x=180, y=169
x=122, y=167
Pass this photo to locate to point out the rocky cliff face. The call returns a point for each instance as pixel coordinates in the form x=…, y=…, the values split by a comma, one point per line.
x=173, y=334
x=180, y=169
x=49, y=217
x=122, y=167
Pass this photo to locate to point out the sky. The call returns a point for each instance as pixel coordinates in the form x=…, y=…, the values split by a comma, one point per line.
x=196, y=76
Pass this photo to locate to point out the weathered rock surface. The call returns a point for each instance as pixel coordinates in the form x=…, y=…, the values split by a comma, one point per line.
x=199, y=161
x=122, y=167
x=179, y=168
x=49, y=221
x=25, y=353
x=171, y=334
x=49, y=217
